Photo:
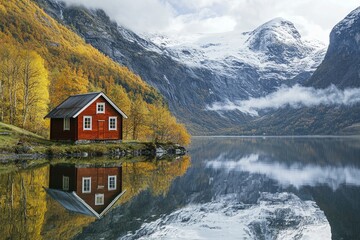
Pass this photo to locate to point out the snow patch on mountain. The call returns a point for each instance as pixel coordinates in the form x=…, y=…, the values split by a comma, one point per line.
x=347, y=22
x=275, y=216
x=276, y=31
x=274, y=48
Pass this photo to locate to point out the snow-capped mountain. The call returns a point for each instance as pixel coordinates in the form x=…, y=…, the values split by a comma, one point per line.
x=251, y=63
x=275, y=45
x=338, y=71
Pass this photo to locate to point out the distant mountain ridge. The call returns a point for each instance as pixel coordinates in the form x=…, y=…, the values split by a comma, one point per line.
x=229, y=66
x=275, y=50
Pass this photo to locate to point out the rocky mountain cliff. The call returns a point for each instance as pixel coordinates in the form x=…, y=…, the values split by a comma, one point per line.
x=212, y=69
x=341, y=65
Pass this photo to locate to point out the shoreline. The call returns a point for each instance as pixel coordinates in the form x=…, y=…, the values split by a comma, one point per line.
x=113, y=150
x=275, y=136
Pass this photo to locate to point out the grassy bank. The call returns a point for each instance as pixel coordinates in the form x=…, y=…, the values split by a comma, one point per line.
x=15, y=141
x=11, y=138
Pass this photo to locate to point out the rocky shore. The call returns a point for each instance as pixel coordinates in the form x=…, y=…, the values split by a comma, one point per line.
x=98, y=149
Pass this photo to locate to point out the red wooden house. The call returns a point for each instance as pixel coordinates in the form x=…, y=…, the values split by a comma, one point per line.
x=88, y=190
x=91, y=116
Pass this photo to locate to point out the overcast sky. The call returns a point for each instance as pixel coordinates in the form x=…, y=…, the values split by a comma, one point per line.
x=313, y=18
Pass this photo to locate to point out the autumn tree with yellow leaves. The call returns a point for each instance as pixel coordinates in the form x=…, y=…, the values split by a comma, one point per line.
x=66, y=82
x=34, y=89
x=163, y=127
x=23, y=88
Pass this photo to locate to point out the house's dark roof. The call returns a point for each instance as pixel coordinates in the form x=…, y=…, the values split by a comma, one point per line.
x=73, y=105
x=70, y=201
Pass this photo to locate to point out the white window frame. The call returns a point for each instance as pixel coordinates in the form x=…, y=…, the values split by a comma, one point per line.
x=101, y=197
x=97, y=107
x=109, y=187
x=112, y=129
x=66, y=124
x=65, y=183
x=85, y=117
x=83, y=185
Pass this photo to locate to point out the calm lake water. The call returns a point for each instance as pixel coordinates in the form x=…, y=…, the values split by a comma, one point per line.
x=227, y=188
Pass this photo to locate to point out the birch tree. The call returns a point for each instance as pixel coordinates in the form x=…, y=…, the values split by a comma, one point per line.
x=138, y=117
x=10, y=73
x=35, y=85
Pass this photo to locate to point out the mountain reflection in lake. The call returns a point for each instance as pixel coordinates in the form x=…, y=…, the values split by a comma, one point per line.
x=250, y=188
x=234, y=188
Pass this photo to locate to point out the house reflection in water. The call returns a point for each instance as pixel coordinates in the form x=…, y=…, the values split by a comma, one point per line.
x=88, y=190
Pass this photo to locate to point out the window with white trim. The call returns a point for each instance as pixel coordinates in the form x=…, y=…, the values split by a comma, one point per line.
x=112, y=123
x=86, y=185
x=66, y=124
x=65, y=183
x=99, y=199
x=87, y=123
x=100, y=107
x=112, y=182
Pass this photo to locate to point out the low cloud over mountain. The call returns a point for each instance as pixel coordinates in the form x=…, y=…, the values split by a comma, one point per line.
x=295, y=97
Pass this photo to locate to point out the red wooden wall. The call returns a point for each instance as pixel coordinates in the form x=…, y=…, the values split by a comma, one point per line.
x=96, y=119
x=57, y=131
x=56, y=176
x=99, y=184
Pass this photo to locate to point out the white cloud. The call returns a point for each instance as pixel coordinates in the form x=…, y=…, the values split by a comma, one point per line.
x=137, y=15
x=297, y=175
x=314, y=19
x=190, y=24
x=296, y=97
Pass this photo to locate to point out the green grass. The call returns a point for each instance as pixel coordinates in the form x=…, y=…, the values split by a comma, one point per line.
x=10, y=136
x=93, y=148
x=103, y=161
x=6, y=168
x=30, y=143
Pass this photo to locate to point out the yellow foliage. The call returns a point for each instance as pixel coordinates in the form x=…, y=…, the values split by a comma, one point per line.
x=24, y=88
x=164, y=127
x=2, y=9
x=35, y=92
x=119, y=96
x=66, y=82
x=167, y=172
x=71, y=224
x=23, y=203
x=157, y=177
x=137, y=119
x=26, y=210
